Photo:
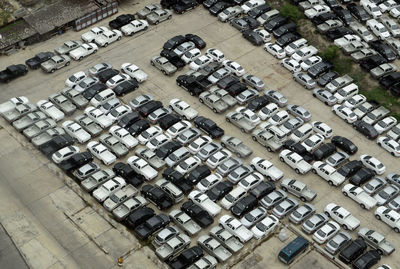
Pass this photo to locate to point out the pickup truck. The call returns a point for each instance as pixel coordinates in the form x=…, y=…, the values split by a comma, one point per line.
x=46, y=136
x=328, y=173
x=186, y=223
x=13, y=72
x=342, y=216
x=206, y=203
x=236, y=227
x=19, y=111
x=298, y=189
x=265, y=167
x=96, y=179
x=359, y=195
x=28, y=120
x=142, y=167
x=10, y=104
x=119, y=197
x=193, y=84
x=108, y=188
x=130, y=205
x=226, y=238
x=151, y=157
x=213, y=247
x=55, y=144
x=173, y=246
x=295, y=161
x=239, y=120
x=270, y=137
x=376, y=240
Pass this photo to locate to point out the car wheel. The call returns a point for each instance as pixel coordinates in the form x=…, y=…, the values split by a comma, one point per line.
x=334, y=112
x=269, y=149
x=344, y=226
x=380, y=251
x=330, y=182
x=396, y=230
x=145, y=28
x=169, y=17
x=297, y=171
x=281, y=64
x=284, y=188
x=197, y=126
x=269, y=178
x=191, y=93
x=363, y=206
x=228, y=120
x=254, y=138
x=242, y=130
x=94, y=51
x=106, y=44
x=201, y=101
x=215, y=110
x=281, y=159
x=347, y=121
x=67, y=63
x=314, y=95
x=119, y=38
x=392, y=153
x=80, y=58
x=314, y=171
x=303, y=199
x=345, y=194
x=276, y=56
x=291, y=71
x=156, y=22
x=52, y=70
x=163, y=71
x=223, y=144
x=239, y=155
x=327, y=214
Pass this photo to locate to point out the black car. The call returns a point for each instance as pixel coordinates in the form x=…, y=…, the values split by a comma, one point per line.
x=344, y=15
x=263, y=189
x=177, y=179
x=383, y=49
x=395, y=89
x=336, y=33
x=157, y=196
x=121, y=20
x=129, y=119
x=324, y=151
x=198, y=214
x=244, y=205
x=56, y=143
x=358, y=12
x=217, y=192
x=332, y=3
x=139, y=216
x=317, y=20
x=184, y=5
x=350, y=168
x=236, y=89
x=362, y=176
x=366, y=129
x=187, y=258
x=168, y=121
x=372, y=62
x=344, y=144
x=90, y=92
x=299, y=149
x=258, y=103
x=125, y=171
x=34, y=63
x=208, y=126
x=287, y=38
x=352, y=251
x=198, y=41
x=149, y=107
x=194, y=85
x=168, y=3
x=319, y=69
x=390, y=80
x=126, y=87
x=274, y=23
x=227, y=81
x=252, y=23
x=76, y=161
x=198, y=174
x=173, y=58
x=165, y=150
x=209, y=69
x=367, y=260
x=105, y=75
x=13, y=72
x=253, y=37
x=174, y=42
x=326, y=78
x=138, y=127
x=209, y=3
x=258, y=11
x=284, y=29
x=150, y=226
x=218, y=7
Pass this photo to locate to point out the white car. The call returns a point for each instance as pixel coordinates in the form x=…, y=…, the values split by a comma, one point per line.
x=359, y=195
x=373, y=164
x=217, y=158
x=385, y=124
x=295, y=45
x=328, y=173
x=158, y=141
x=93, y=33
x=279, y=118
x=295, y=161
x=326, y=232
x=83, y=51
x=124, y=136
x=316, y=11
x=268, y=111
x=371, y=8
x=108, y=37
x=178, y=128
x=265, y=167
x=9, y=105
x=313, y=60
x=236, y=227
x=265, y=227
x=134, y=26
x=249, y=115
x=387, y=5
x=322, y=128
x=291, y=65
x=390, y=145
x=342, y=216
x=98, y=116
x=149, y=133
x=199, y=143
x=266, y=37
x=395, y=12
x=304, y=53
x=203, y=201
x=346, y=93
x=200, y=62
x=115, y=80
x=64, y=154
x=188, y=165
x=76, y=131
x=108, y=188
x=234, y=67
x=208, y=182
x=191, y=55
x=355, y=101
x=50, y=110
x=118, y=112
x=394, y=133
x=251, y=181
x=345, y=40
x=378, y=29
x=215, y=55
x=134, y=72
x=183, y=109
x=389, y=216
x=345, y=113
x=142, y=167
x=249, y=5
x=101, y=152
x=275, y=50
x=313, y=142
x=102, y=97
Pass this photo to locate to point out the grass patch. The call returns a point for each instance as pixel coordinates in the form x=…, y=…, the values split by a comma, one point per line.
x=291, y=12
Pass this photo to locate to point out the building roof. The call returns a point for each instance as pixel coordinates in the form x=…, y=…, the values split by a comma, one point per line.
x=14, y=32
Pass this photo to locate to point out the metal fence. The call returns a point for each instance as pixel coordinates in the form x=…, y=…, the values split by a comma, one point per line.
x=95, y=16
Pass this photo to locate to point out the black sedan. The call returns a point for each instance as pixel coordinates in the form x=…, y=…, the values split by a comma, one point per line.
x=253, y=37
x=366, y=129
x=121, y=20
x=198, y=41
x=344, y=144
x=34, y=62
x=13, y=72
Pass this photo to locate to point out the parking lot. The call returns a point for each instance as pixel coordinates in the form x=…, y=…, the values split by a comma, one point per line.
x=139, y=49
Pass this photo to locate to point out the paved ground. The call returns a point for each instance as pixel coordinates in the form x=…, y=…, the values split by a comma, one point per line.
x=53, y=227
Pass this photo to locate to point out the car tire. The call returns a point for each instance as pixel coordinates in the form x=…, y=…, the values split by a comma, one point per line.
x=105, y=44
x=344, y=226
x=345, y=194
x=242, y=130
x=156, y=22
x=362, y=206
x=284, y=188
x=119, y=38
x=314, y=95
x=269, y=149
x=392, y=153
x=330, y=182
x=94, y=51
x=223, y=144
x=52, y=70
x=303, y=199
x=201, y=100
x=281, y=159
x=378, y=217
x=67, y=63
x=239, y=155
x=327, y=214
x=228, y=120
x=314, y=171
x=254, y=138
x=169, y=17
x=297, y=171
x=80, y=58
x=396, y=230
x=291, y=71
x=380, y=251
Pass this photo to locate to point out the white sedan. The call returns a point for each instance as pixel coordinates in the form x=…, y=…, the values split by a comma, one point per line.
x=124, y=136
x=188, y=165
x=345, y=113
x=385, y=124
x=265, y=227
x=390, y=145
x=217, y=158
x=178, y=128
x=313, y=142
x=134, y=72
x=158, y=141
x=134, y=27
x=149, y=133
x=355, y=101
x=50, y=110
x=215, y=55
x=251, y=181
x=115, y=80
x=359, y=195
x=75, y=79
x=322, y=128
x=234, y=67
x=313, y=60
x=208, y=182
x=266, y=168
x=98, y=116
x=101, y=152
x=191, y=55
x=108, y=37
x=76, y=131
x=83, y=51
x=200, y=62
x=275, y=50
x=142, y=167
x=373, y=163
x=118, y=112
x=93, y=33
x=291, y=65
x=64, y=154
x=326, y=232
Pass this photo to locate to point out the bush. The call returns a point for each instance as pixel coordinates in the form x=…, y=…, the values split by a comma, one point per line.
x=291, y=12
x=330, y=54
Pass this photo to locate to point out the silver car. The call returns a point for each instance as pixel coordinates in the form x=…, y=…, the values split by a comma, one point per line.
x=224, y=95
x=85, y=171
x=254, y=82
x=75, y=97
x=239, y=173
x=62, y=103
x=151, y=157
x=246, y=96
x=114, y=145
x=292, y=124
x=299, y=111
x=374, y=185
x=314, y=223
x=386, y=194
x=95, y=70
x=302, y=213
x=276, y=97
x=46, y=136
x=89, y=125
x=97, y=178
x=68, y=46
x=38, y=128
x=218, y=75
x=163, y=65
x=147, y=10
x=159, y=15
x=285, y=207
x=338, y=242
x=236, y=146
x=188, y=136
x=325, y=96
x=55, y=62
x=208, y=150
x=254, y=216
x=156, y=115
x=213, y=247
x=337, y=159
x=305, y=80
x=213, y=101
x=19, y=111
x=164, y=235
x=228, y=165
x=273, y=198
x=28, y=120
x=140, y=100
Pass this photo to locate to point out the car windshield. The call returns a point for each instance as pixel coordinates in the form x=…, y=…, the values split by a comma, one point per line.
x=154, y=142
x=226, y=12
x=234, y=174
x=114, y=198
x=333, y=244
x=374, y=9
x=58, y=154
x=342, y=92
x=145, y=134
x=173, y=129
x=172, y=157
x=249, y=217
x=213, y=159
x=73, y=78
x=372, y=116
x=114, y=113
x=261, y=227
x=309, y=143
x=382, y=30
x=380, y=165
x=229, y=198
x=279, y=208
x=396, y=130
x=384, y=195
x=205, y=182
x=321, y=233
x=112, y=81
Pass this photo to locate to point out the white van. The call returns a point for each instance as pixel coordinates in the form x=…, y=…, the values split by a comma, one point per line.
x=302, y=133
x=102, y=97
x=346, y=92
